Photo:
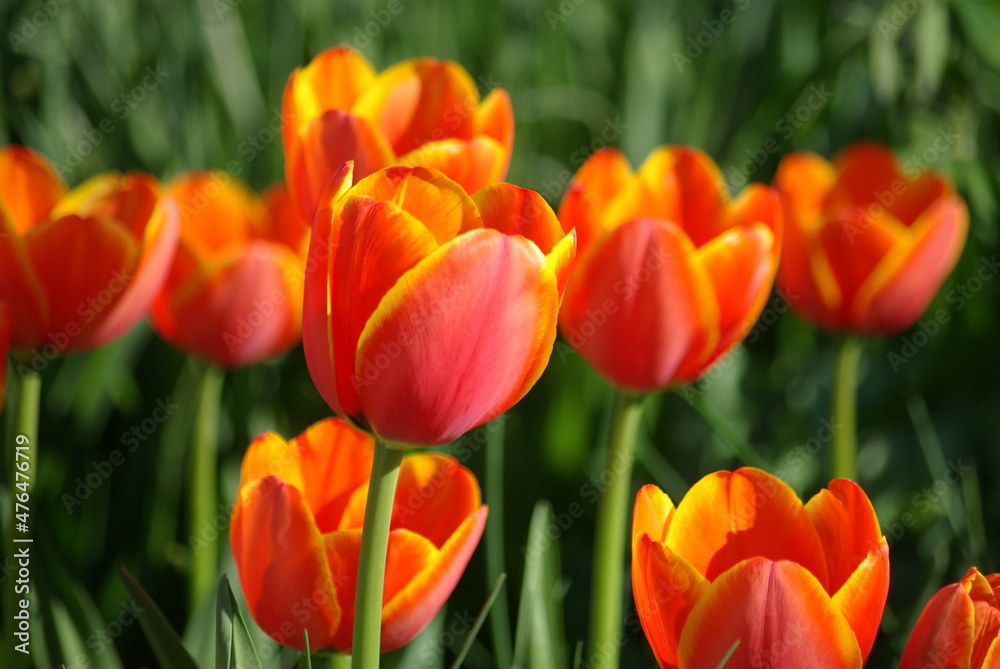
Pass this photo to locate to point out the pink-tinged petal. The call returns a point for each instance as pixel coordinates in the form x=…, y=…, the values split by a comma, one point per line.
x=518, y=211
x=944, y=634
x=665, y=589
x=638, y=305
x=652, y=513
x=906, y=280
x=472, y=163
x=409, y=610
x=326, y=143
x=242, y=312
x=455, y=341
x=419, y=101
x=282, y=565
x=726, y=518
x=601, y=176
x=29, y=187
x=775, y=613
x=495, y=118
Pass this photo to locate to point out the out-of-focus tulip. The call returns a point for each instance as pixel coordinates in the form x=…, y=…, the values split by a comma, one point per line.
x=741, y=559
x=418, y=112
x=234, y=292
x=4, y=348
x=78, y=269
x=671, y=273
x=959, y=628
x=430, y=312
x=296, y=535
x=866, y=244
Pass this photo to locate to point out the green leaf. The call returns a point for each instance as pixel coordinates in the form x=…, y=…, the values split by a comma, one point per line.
x=980, y=20
x=166, y=645
x=538, y=642
x=234, y=649
x=930, y=36
x=483, y=612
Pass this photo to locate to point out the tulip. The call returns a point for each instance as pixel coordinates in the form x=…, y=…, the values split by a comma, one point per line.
x=234, y=292
x=296, y=533
x=742, y=562
x=959, y=628
x=418, y=112
x=429, y=311
x=867, y=245
x=672, y=274
x=4, y=348
x=78, y=269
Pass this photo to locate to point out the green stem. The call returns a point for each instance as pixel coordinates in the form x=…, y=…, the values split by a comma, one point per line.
x=845, y=444
x=203, y=489
x=26, y=397
x=499, y=615
x=612, y=531
x=371, y=562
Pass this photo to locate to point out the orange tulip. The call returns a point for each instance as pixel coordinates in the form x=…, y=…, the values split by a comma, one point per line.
x=418, y=112
x=741, y=559
x=429, y=312
x=296, y=535
x=234, y=293
x=78, y=269
x=671, y=273
x=959, y=628
x=866, y=245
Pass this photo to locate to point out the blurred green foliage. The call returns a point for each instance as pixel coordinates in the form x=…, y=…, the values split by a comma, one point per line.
x=163, y=86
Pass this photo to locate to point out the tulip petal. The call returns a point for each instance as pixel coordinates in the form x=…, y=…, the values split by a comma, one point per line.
x=779, y=614
x=456, y=341
x=987, y=626
x=638, y=305
x=472, y=164
x=861, y=599
x=804, y=179
x=5, y=318
x=270, y=455
x=665, y=589
x=944, y=633
x=906, y=280
x=219, y=215
x=518, y=211
x=29, y=187
x=282, y=564
x=332, y=80
x=495, y=118
x=84, y=266
x=420, y=100
x=285, y=225
x=726, y=518
x=595, y=184
x=740, y=263
x=240, y=312
x=20, y=289
x=412, y=607
x=652, y=513
x=326, y=143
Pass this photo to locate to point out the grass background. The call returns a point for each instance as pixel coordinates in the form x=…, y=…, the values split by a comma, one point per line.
x=734, y=78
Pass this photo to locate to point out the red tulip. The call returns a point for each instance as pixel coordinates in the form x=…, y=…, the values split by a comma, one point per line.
x=866, y=245
x=959, y=628
x=78, y=269
x=671, y=273
x=418, y=112
x=296, y=535
x=741, y=559
x=234, y=292
x=429, y=312
x=4, y=349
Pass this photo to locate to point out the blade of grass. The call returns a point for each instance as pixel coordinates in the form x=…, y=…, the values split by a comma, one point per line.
x=234, y=649
x=483, y=612
x=162, y=637
x=536, y=643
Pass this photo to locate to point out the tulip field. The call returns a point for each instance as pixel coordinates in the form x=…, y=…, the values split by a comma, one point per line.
x=570, y=334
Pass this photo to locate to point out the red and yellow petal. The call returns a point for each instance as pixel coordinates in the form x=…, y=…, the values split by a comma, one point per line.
x=518, y=211
x=899, y=289
x=602, y=175
x=458, y=339
x=270, y=455
x=944, y=633
x=29, y=187
x=804, y=181
x=775, y=613
x=282, y=564
x=701, y=191
x=665, y=589
x=332, y=80
x=419, y=101
x=495, y=118
x=638, y=305
x=861, y=599
x=471, y=163
x=129, y=199
x=218, y=214
x=21, y=289
x=326, y=143
x=864, y=170
x=652, y=513
x=409, y=610
x=729, y=517
x=847, y=526
x=284, y=223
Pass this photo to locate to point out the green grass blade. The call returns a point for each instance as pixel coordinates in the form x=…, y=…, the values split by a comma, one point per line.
x=166, y=645
x=480, y=619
